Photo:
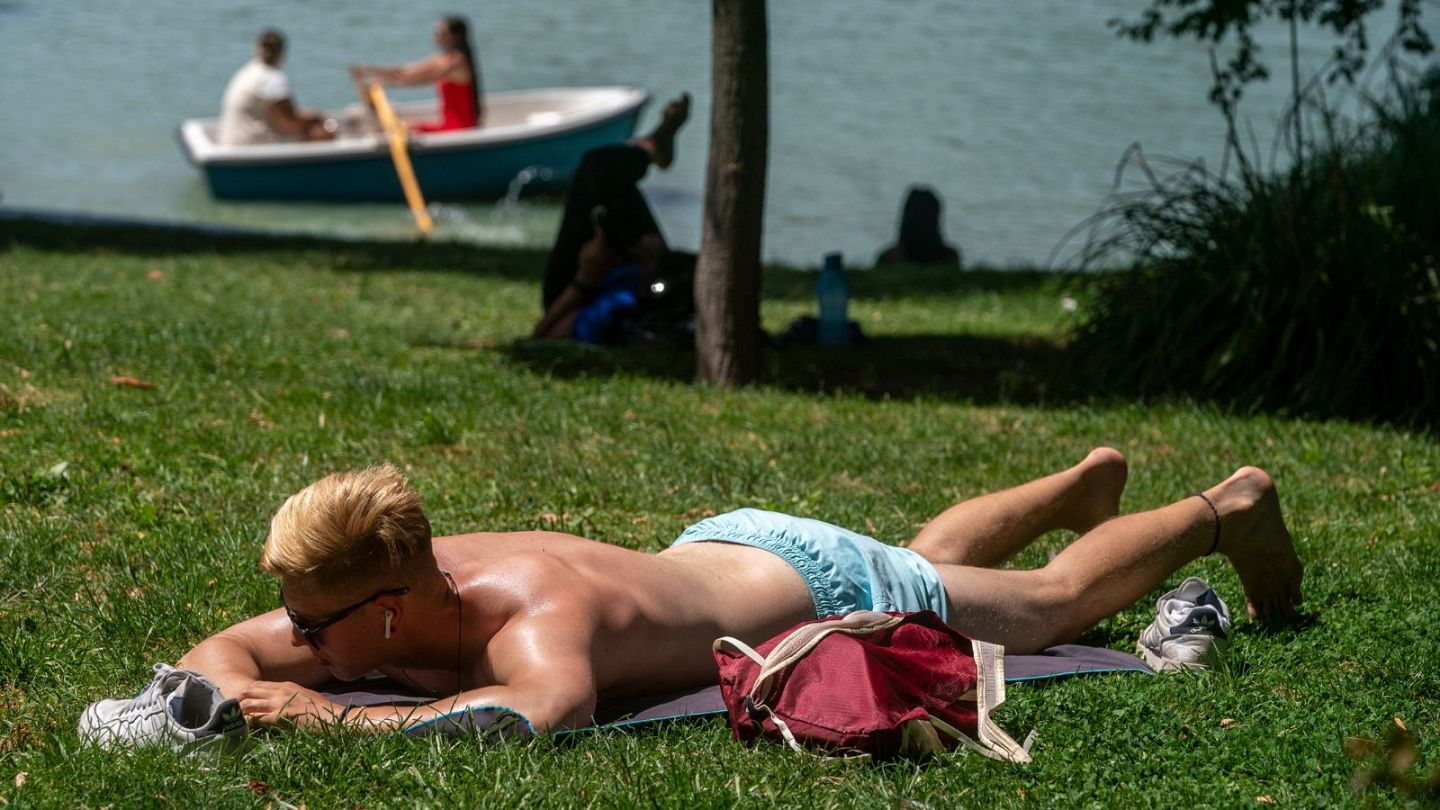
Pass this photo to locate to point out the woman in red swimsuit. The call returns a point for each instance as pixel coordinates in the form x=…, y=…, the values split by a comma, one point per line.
x=454, y=71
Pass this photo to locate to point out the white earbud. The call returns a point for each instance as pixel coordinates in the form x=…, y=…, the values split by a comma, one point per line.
x=389, y=614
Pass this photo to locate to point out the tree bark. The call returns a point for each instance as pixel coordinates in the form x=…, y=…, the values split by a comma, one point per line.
x=727, y=277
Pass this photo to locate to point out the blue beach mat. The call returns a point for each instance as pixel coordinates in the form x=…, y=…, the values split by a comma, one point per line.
x=499, y=722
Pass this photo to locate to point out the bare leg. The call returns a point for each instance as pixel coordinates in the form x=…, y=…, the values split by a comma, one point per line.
x=985, y=531
x=1107, y=569
x=660, y=143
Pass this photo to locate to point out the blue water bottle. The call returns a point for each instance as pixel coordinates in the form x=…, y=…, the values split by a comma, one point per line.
x=834, y=294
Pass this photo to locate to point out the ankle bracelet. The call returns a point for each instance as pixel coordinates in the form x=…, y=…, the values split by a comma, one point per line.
x=1214, y=545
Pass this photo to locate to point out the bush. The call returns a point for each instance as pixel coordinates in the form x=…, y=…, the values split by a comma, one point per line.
x=1313, y=291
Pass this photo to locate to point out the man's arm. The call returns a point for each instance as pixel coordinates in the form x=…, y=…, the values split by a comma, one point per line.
x=593, y=263
x=549, y=704
x=258, y=649
x=558, y=696
x=559, y=320
x=284, y=118
x=544, y=669
x=425, y=71
x=542, y=663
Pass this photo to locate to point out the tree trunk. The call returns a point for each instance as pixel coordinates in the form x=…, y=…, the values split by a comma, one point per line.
x=727, y=277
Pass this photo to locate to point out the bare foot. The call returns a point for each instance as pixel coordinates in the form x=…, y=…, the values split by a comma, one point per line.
x=1097, y=498
x=661, y=142
x=1254, y=538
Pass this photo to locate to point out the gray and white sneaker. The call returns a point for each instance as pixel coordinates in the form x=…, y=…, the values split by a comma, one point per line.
x=180, y=709
x=1191, y=629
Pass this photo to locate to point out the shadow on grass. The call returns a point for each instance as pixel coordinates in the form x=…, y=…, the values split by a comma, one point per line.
x=909, y=281
x=968, y=367
x=159, y=239
x=1105, y=636
x=145, y=238
x=1281, y=629
x=979, y=369
x=956, y=366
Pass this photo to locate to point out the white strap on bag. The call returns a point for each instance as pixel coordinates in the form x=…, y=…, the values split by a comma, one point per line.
x=749, y=652
x=798, y=644
x=989, y=693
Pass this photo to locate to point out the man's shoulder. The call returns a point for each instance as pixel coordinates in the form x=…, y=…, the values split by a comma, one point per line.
x=522, y=564
x=483, y=545
x=248, y=71
x=542, y=603
x=261, y=80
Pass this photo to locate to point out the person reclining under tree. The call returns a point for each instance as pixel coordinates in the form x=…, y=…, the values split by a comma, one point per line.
x=609, y=248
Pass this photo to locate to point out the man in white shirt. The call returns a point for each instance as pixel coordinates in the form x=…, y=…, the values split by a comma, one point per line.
x=258, y=108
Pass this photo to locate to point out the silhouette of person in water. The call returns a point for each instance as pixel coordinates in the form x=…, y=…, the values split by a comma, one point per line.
x=920, y=240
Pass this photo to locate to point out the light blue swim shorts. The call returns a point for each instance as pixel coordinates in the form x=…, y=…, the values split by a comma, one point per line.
x=844, y=570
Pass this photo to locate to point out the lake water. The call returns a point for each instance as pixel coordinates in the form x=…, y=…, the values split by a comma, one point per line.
x=1016, y=112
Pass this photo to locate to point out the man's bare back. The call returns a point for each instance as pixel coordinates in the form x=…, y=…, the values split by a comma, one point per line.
x=646, y=620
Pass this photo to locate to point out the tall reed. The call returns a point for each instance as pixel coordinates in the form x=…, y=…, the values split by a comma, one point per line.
x=1312, y=290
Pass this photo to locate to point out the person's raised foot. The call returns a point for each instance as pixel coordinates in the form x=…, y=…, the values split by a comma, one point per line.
x=1254, y=538
x=1102, y=476
x=661, y=142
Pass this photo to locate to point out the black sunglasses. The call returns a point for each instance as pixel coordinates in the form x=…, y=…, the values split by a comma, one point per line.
x=311, y=632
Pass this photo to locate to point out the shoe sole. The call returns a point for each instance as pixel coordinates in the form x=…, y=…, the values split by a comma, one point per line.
x=1161, y=664
x=94, y=731
x=216, y=745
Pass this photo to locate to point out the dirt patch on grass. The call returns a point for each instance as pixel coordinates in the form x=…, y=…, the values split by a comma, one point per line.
x=21, y=398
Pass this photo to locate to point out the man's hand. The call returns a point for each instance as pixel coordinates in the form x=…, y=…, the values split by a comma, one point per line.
x=595, y=260
x=270, y=703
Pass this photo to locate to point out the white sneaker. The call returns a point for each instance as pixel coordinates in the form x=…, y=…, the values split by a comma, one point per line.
x=1191, y=629
x=180, y=709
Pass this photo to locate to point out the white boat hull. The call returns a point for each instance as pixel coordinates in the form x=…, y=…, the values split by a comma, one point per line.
x=539, y=133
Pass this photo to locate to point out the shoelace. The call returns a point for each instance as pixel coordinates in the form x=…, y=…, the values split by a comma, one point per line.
x=1177, y=611
x=151, y=700
x=139, y=709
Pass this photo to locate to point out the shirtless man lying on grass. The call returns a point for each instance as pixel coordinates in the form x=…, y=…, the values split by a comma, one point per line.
x=547, y=623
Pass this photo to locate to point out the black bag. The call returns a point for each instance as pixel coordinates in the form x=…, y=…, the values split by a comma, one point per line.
x=666, y=312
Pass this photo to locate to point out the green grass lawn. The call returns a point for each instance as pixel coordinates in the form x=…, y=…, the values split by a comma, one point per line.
x=133, y=517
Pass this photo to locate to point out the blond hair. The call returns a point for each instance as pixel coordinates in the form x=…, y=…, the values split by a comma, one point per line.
x=347, y=527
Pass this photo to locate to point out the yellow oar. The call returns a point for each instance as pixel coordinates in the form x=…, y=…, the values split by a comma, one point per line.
x=396, y=133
